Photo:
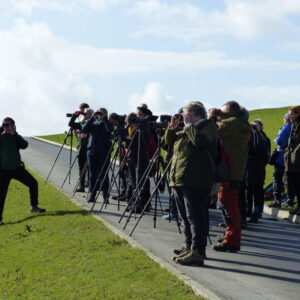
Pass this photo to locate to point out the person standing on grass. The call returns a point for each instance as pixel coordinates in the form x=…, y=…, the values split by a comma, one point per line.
x=292, y=155
x=11, y=166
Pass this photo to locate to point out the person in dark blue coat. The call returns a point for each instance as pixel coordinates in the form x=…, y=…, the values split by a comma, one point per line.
x=98, y=149
x=281, y=141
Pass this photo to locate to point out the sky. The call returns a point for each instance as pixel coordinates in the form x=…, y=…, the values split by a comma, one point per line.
x=118, y=54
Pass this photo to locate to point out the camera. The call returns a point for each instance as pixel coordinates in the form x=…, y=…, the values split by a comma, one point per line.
x=179, y=117
x=165, y=118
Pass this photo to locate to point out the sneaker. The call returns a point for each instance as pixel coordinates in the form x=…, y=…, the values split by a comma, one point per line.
x=36, y=209
x=168, y=217
x=224, y=247
x=193, y=257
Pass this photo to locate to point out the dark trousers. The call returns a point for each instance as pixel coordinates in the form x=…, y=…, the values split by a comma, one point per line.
x=123, y=179
x=24, y=177
x=192, y=204
x=131, y=180
x=96, y=165
x=145, y=192
x=278, y=181
x=255, y=193
x=242, y=202
x=294, y=181
x=82, y=159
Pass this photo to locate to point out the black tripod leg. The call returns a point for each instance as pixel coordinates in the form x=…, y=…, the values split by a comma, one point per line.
x=156, y=188
x=69, y=172
x=62, y=146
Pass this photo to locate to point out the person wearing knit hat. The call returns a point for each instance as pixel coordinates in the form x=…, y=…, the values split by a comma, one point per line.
x=292, y=155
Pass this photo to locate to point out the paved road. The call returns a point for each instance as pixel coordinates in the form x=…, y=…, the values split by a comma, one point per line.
x=268, y=267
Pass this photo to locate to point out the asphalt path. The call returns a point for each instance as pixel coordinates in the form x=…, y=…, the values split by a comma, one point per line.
x=267, y=267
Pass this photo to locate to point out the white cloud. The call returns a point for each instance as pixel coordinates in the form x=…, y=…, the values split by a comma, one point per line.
x=156, y=99
x=242, y=19
x=42, y=76
x=268, y=96
x=67, y=6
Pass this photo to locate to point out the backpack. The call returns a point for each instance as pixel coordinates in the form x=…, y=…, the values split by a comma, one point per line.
x=222, y=165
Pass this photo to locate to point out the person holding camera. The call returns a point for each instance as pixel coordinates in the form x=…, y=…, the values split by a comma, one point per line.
x=98, y=150
x=120, y=133
x=82, y=140
x=11, y=166
x=235, y=132
x=137, y=160
x=192, y=177
x=292, y=155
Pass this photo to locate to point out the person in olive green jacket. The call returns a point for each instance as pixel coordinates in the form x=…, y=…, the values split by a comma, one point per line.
x=292, y=155
x=235, y=132
x=192, y=176
x=11, y=166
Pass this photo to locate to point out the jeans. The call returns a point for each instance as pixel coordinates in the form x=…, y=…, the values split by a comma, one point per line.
x=192, y=204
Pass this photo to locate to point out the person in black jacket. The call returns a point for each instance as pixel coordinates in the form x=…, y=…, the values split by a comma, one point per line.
x=258, y=157
x=82, y=140
x=11, y=166
x=98, y=149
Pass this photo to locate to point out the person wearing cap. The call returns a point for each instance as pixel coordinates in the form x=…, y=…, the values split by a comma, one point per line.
x=281, y=141
x=98, y=149
x=292, y=155
x=11, y=166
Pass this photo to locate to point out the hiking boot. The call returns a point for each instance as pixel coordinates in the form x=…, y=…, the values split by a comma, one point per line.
x=91, y=200
x=80, y=190
x=253, y=219
x=184, y=248
x=36, y=209
x=193, y=257
x=275, y=204
x=224, y=247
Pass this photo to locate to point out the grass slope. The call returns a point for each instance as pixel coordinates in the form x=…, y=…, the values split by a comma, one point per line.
x=67, y=254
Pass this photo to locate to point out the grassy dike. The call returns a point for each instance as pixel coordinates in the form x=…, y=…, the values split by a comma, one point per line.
x=67, y=254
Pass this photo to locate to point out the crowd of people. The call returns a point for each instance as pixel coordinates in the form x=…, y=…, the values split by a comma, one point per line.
x=197, y=142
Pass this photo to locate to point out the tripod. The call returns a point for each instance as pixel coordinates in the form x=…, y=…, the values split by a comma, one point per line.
x=71, y=164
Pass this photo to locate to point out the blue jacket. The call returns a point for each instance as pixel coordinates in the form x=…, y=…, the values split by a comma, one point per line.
x=282, y=140
x=100, y=136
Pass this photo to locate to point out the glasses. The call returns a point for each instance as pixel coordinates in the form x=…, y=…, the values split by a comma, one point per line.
x=6, y=124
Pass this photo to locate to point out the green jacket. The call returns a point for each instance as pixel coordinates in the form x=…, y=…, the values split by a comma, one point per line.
x=235, y=134
x=194, y=152
x=10, y=146
x=292, y=151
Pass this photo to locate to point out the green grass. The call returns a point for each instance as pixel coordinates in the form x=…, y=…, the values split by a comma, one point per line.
x=70, y=255
x=59, y=138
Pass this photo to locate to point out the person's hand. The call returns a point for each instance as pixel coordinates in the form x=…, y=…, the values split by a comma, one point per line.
x=174, y=122
x=187, y=118
x=83, y=135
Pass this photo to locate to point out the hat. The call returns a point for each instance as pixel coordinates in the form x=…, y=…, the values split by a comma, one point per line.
x=296, y=108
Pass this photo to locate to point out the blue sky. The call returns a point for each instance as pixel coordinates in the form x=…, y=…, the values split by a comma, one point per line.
x=120, y=53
